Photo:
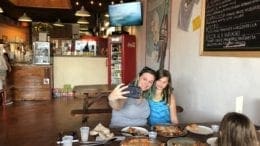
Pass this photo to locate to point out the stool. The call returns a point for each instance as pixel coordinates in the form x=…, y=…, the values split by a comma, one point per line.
x=3, y=96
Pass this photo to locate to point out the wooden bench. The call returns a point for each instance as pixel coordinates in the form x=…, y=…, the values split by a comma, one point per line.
x=88, y=102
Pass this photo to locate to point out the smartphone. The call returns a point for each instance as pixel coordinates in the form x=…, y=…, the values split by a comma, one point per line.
x=134, y=92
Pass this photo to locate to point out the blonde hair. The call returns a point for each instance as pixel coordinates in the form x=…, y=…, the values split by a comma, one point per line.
x=237, y=130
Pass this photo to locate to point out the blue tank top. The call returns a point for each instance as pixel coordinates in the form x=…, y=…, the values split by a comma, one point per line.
x=159, y=112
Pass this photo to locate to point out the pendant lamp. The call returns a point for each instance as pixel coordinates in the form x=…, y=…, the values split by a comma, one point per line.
x=1, y=10
x=25, y=18
x=82, y=20
x=58, y=23
x=82, y=12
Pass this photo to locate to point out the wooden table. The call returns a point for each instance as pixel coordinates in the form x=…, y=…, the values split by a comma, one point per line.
x=116, y=131
x=93, y=93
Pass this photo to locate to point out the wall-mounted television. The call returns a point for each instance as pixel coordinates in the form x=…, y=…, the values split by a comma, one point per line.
x=125, y=14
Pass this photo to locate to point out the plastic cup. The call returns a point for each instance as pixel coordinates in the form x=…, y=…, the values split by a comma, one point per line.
x=152, y=134
x=84, y=132
x=67, y=140
x=215, y=128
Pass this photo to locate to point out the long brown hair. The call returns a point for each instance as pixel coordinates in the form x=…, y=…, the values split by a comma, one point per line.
x=237, y=130
x=167, y=91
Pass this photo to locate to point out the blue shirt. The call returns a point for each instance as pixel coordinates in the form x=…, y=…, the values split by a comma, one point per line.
x=159, y=112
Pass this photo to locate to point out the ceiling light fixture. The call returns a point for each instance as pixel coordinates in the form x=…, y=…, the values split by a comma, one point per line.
x=25, y=18
x=58, y=23
x=106, y=15
x=92, y=2
x=1, y=10
x=82, y=12
x=100, y=4
x=112, y=2
x=82, y=20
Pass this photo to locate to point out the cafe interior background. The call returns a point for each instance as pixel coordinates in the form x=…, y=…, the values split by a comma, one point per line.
x=206, y=86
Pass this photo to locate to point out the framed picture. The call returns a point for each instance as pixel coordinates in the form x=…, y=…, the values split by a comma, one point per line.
x=225, y=34
x=41, y=51
x=55, y=47
x=66, y=47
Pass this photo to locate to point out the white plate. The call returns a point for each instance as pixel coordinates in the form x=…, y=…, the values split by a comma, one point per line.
x=203, y=130
x=212, y=141
x=142, y=131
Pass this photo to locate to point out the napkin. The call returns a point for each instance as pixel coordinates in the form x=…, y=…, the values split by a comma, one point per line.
x=239, y=104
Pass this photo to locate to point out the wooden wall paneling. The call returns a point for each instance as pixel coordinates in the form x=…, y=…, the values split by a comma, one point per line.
x=28, y=81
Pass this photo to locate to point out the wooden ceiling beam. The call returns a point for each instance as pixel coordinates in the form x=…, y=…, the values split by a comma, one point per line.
x=57, y=4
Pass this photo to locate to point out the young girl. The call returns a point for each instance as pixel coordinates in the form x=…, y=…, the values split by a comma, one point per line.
x=237, y=130
x=162, y=101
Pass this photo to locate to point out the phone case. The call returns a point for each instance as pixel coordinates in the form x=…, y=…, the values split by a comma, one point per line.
x=135, y=92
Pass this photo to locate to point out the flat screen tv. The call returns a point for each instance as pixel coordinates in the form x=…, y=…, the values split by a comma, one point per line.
x=125, y=14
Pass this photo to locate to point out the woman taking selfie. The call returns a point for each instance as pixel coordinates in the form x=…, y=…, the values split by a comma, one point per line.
x=131, y=111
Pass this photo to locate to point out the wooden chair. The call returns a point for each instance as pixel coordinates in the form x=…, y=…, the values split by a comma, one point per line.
x=179, y=109
x=4, y=93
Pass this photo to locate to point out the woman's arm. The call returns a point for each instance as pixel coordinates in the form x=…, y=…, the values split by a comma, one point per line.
x=116, y=98
x=173, y=111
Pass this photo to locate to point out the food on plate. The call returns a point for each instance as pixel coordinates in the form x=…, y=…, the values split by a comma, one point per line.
x=134, y=131
x=140, y=142
x=192, y=127
x=169, y=130
x=103, y=132
x=184, y=141
x=185, y=144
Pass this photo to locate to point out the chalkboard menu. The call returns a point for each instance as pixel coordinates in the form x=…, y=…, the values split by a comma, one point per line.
x=232, y=25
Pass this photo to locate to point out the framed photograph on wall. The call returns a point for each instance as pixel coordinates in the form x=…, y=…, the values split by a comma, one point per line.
x=66, y=47
x=41, y=52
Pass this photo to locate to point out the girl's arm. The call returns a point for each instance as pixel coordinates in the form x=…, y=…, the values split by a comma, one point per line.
x=173, y=111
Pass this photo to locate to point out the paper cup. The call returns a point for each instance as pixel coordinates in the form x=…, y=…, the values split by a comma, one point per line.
x=152, y=134
x=215, y=128
x=84, y=132
x=67, y=140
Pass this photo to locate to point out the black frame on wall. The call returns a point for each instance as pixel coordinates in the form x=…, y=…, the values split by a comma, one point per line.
x=230, y=28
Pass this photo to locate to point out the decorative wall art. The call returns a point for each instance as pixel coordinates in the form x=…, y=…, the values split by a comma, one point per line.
x=158, y=33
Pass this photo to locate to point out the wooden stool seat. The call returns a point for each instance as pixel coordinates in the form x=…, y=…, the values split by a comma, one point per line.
x=3, y=94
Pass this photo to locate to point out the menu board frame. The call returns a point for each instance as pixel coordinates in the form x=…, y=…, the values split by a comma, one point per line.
x=222, y=51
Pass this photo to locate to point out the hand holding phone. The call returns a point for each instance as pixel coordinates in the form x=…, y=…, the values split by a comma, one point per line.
x=134, y=92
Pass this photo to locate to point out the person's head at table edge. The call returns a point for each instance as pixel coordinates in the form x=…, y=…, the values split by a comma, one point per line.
x=146, y=78
x=237, y=130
